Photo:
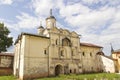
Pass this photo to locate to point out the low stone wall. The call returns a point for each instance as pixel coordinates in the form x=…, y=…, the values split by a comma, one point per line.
x=6, y=71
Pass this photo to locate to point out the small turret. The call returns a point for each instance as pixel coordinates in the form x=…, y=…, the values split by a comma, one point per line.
x=50, y=21
x=40, y=29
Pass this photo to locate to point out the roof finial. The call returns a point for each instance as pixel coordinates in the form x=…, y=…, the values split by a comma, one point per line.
x=111, y=48
x=50, y=12
x=40, y=23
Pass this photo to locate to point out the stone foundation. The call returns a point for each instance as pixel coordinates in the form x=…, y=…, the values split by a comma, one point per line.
x=6, y=71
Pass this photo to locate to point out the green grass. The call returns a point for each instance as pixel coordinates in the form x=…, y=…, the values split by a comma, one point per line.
x=7, y=78
x=97, y=76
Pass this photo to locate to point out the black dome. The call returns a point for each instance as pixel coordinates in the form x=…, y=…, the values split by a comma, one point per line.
x=40, y=27
x=50, y=17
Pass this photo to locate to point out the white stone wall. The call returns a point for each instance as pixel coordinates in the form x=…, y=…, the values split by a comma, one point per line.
x=35, y=58
x=108, y=64
x=16, y=59
x=90, y=62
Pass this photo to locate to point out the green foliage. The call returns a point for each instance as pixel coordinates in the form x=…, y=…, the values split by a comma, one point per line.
x=5, y=41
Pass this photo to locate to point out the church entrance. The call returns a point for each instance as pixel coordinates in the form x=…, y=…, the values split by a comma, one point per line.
x=58, y=70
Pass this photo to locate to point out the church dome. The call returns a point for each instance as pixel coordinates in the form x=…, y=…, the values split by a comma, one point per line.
x=40, y=27
x=50, y=17
x=50, y=21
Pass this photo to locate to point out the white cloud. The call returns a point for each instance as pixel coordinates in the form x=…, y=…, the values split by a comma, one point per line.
x=90, y=18
x=92, y=24
x=6, y=2
x=73, y=9
x=41, y=6
x=27, y=21
x=107, y=2
x=99, y=26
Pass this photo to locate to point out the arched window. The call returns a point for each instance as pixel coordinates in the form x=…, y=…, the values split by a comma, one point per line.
x=70, y=71
x=91, y=68
x=45, y=52
x=62, y=54
x=91, y=54
x=72, y=53
x=66, y=42
x=56, y=41
x=83, y=54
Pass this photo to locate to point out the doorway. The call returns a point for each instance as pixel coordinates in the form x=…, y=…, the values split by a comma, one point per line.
x=58, y=70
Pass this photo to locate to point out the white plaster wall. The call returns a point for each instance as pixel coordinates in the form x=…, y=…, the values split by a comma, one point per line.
x=35, y=59
x=89, y=63
x=108, y=64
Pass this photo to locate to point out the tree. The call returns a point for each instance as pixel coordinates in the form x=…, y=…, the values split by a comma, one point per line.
x=5, y=41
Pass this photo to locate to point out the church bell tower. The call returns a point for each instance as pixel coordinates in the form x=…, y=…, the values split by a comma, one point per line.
x=50, y=21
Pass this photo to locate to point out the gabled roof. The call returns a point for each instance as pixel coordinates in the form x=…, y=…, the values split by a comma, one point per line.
x=36, y=35
x=90, y=45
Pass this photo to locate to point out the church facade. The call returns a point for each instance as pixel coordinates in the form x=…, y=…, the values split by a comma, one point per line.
x=52, y=52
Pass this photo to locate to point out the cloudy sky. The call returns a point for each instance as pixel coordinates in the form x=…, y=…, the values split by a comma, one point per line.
x=98, y=21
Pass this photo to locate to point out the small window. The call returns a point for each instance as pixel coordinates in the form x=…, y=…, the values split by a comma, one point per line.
x=91, y=68
x=72, y=53
x=80, y=67
x=61, y=53
x=70, y=71
x=83, y=54
x=56, y=41
x=91, y=54
x=45, y=52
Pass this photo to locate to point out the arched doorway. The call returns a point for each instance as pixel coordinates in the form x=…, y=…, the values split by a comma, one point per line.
x=58, y=70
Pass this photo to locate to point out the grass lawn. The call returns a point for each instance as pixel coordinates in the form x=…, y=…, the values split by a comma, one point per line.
x=98, y=76
x=7, y=78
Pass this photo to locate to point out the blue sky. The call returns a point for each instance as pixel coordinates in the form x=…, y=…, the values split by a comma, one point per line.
x=98, y=21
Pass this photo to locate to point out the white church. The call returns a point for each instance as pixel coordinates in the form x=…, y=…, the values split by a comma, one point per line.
x=55, y=51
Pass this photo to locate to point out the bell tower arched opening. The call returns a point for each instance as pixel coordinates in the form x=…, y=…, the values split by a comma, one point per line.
x=66, y=42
